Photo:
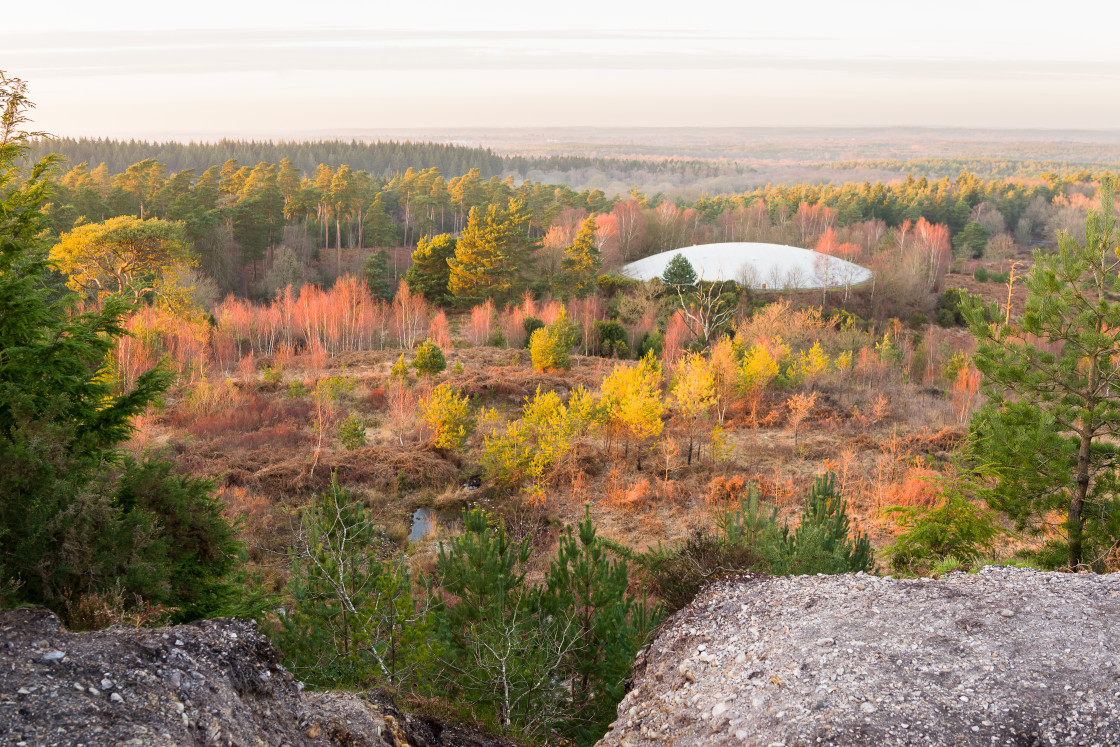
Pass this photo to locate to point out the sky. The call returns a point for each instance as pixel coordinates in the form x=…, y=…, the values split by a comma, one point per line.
x=214, y=68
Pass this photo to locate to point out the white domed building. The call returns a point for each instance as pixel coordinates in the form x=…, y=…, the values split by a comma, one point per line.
x=757, y=266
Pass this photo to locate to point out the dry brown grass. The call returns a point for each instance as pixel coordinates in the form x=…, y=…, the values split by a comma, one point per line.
x=868, y=428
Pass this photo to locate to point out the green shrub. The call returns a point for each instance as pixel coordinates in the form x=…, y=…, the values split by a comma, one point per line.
x=352, y=432
x=613, y=284
x=296, y=389
x=497, y=339
x=949, y=306
x=531, y=324
x=195, y=548
x=272, y=375
x=981, y=275
x=612, y=339
x=957, y=528
x=651, y=343
x=429, y=359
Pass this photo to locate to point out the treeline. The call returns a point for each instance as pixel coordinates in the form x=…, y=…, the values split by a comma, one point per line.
x=381, y=158
x=988, y=168
x=256, y=229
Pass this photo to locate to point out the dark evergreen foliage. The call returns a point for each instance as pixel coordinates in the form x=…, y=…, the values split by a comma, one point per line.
x=72, y=522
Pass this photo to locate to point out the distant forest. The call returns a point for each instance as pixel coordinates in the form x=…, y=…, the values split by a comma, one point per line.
x=384, y=158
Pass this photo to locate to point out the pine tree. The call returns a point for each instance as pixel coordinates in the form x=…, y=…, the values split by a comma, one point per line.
x=353, y=618
x=550, y=346
x=1049, y=428
x=608, y=624
x=499, y=653
x=679, y=273
x=449, y=415
x=491, y=255
x=429, y=359
x=376, y=271
x=430, y=272
x=581, y=263
x=822, y=543
x=85, y=520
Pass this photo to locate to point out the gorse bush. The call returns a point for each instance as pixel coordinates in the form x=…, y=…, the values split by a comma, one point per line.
x=611, y=339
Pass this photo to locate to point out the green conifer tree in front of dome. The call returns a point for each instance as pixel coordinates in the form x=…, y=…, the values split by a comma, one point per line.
x=679, y=273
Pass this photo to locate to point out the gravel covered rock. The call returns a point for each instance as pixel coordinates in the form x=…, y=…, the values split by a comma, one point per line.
x=216, y=682
x=1003, y=657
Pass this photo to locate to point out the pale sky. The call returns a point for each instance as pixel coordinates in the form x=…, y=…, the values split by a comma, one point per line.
x=213, y=68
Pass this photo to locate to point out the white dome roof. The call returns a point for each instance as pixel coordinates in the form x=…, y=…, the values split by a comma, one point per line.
x=773, y=266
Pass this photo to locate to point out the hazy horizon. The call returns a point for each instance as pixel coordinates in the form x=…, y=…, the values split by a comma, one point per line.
x=128, y=69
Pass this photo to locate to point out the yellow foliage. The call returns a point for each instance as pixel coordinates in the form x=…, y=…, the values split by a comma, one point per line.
x=721, y=445
x=449, y=415
x=632, y=399
x=531, y=449
x=724, y=365
x=127, y=256
x=758, y=369
x=810, y=364
x=694, y=391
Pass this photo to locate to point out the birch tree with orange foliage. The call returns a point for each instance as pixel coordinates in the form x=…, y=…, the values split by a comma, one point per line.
x=800, y=407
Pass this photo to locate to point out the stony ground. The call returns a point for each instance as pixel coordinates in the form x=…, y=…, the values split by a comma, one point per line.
x=217, y=682
x=1003, y=657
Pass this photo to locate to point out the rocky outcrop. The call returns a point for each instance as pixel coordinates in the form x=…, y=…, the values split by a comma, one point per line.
x=1003, y=657
x=217, y=682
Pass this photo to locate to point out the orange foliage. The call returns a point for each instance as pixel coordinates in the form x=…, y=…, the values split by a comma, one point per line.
x=724, y=493
x=624, y=492
x=409, y=316
x=919, y=487
x=676, y=333
x=439, y=332
x=481, y=323
x=247, y=367
x=965, y=388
